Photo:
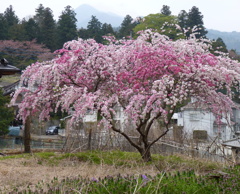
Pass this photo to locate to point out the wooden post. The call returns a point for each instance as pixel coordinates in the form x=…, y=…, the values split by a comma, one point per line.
x=27, y=136
x=90, y=139
x=234, y=155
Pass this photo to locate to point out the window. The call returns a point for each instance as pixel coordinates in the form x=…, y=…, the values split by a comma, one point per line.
x=237, y=128
x=194, y=116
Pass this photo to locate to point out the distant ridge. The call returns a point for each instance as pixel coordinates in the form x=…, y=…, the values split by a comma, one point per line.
x=84, y=13
x=231, y=39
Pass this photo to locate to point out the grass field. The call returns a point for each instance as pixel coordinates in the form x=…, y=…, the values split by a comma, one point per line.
x=10, y=78
x=113, y=172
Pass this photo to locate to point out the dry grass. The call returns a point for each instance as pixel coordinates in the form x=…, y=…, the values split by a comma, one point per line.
x=21, y=172
x=27, y=170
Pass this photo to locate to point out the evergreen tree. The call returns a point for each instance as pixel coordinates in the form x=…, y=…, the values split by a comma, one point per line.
x=31, y=29
x=83, y=33
x=183, y=19
x=107, y=29
x=67, y=27
x=127, y=26
x=38, y=18
x=195, y=18
x=219, y=45
x=166, y=10
x=17, y=32
x=11, y=19
x=94, y=28
x=6, y=114
x=10, y=16
x=4, y=28
x=49, y=30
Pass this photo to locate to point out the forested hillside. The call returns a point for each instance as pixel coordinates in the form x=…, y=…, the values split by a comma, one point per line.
x=231, y=39
x=27, y=40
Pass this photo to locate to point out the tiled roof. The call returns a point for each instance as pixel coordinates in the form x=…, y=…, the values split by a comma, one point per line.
x=8, y=69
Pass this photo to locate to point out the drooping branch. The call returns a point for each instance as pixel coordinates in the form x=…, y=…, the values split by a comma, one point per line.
x=147, y=79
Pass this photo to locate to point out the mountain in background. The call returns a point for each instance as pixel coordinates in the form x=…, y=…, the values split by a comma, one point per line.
x=231, y=39
x=85, y=12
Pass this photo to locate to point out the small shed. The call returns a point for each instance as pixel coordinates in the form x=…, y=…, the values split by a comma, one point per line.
x=234, y=144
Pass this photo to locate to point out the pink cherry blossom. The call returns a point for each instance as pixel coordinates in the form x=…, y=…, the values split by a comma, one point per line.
x=148, y=77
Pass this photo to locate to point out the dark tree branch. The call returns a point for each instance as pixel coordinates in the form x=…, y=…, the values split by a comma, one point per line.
x=163, y=134
x=127, y=137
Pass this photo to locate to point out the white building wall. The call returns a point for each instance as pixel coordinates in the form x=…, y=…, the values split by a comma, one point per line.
x=91, y=117
x=236, y=120
x=198, y=120
x=236, y=115
x=119, y=117
x=179, y=117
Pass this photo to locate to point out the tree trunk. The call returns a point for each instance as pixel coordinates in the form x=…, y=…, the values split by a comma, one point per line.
x=146, y=155
x=27, y=137
x=142, y=145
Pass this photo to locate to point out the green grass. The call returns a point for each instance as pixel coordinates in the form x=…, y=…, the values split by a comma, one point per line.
x=125, y=159
x=175, y=162
x=10, y=78
x=15, y=156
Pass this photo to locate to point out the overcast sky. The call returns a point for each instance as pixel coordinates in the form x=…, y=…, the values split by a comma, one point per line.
x=223, y=15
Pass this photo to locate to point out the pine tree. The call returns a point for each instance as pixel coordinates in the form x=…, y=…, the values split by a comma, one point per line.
x=4, y=28
x=38, y=18
x=10, y=16
x=183, y=19
x=49, y=30
x=11, y=20
x=195, y=18
x=94, y=28
x=31, y=29
x=219, y=45
x=67, y=28
x=107, y=29
x=127, y=26
x=17, y=32
x=83, y=33
x=166, y=10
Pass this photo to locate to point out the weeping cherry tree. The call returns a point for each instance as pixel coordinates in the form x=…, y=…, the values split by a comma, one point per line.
x=148, y=77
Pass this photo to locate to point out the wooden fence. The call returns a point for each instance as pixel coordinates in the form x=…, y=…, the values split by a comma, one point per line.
x=111, y=141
